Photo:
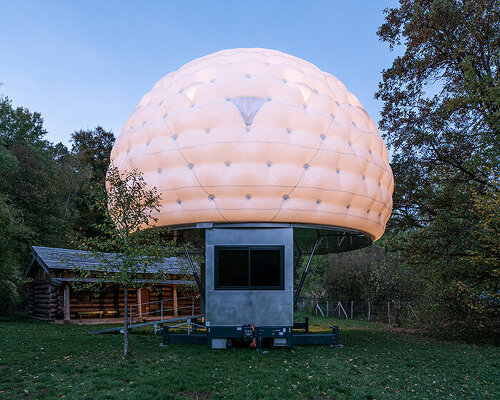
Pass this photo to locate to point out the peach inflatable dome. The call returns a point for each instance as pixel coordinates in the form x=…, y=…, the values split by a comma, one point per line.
x=256, y=135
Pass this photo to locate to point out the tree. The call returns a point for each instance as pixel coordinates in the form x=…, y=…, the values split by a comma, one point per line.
x=92, y=148
x=441, y=111
x=441, y=116
x=128, y=207
x=89, y=157
x=19, y=125
x=10, y=260
x=33, y=193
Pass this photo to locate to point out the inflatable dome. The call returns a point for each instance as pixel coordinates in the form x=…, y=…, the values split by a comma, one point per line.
x=256, y=135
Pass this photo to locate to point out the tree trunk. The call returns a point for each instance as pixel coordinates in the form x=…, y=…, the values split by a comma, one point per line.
x=125, y=321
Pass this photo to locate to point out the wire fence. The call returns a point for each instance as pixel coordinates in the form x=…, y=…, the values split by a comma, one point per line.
x=388, y=311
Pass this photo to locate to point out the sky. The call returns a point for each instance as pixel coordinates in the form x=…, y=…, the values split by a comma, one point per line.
x=87, y=63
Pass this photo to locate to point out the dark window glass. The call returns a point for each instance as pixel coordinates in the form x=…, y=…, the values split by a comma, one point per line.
x=265, y=268
x=233, y=268
x=249, y=268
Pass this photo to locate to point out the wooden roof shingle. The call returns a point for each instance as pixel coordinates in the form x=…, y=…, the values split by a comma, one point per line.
x=52, y=258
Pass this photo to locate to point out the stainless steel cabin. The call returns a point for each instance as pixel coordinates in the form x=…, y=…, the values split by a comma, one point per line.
x=249, y=277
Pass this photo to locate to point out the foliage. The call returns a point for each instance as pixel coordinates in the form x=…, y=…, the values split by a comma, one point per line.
x=45, y=191
x=441, y=98
x=485, y=252
x=376, y=362
x=18, y=125
x=92, y=149
x=441, y=123
x=441, y=117
x=31, y=193
x=29, y=181
x=370, y=274
x=10, y=273
x=314, y=285
x=90, y=157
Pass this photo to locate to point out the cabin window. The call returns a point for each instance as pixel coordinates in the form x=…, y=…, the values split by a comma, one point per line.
x=249, y=267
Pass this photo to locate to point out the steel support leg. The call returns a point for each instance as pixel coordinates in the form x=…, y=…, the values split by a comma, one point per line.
x=296, y=266
x=297, y=293
x=195, y=274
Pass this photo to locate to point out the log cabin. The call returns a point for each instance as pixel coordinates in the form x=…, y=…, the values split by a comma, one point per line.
x=53, y=293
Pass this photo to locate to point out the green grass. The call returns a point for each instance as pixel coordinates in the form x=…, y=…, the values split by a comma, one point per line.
x=45, y=361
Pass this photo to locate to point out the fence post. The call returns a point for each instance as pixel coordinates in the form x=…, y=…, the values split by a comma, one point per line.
x=369, y=311
x=176, y=307
x=339, y=308
x=161, y=312
x=389, y=311
x=192, y=308
x=327, y=308
x=352, y=308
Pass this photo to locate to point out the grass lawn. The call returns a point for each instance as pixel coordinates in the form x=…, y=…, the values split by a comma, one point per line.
x=39, y=360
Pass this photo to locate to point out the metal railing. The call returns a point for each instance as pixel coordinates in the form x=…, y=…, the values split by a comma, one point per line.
x=163, y=308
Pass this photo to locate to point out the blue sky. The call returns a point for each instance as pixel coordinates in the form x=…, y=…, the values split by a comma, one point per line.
x=88, y=63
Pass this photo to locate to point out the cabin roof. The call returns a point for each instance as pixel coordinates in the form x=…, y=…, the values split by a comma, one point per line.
x=52, y=258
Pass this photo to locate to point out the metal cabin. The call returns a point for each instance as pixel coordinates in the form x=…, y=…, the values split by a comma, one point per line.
x=249, y=281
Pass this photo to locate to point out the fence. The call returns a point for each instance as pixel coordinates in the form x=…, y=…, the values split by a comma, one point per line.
x=162, y=309
x=388, y=311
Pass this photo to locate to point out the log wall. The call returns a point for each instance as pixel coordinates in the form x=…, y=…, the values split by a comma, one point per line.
x=45, y=300
x=109, y=303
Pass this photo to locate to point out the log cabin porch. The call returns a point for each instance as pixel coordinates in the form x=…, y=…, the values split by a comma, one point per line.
x=51, y=294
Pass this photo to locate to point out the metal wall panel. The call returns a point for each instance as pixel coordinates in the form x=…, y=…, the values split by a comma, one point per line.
x=241, y=307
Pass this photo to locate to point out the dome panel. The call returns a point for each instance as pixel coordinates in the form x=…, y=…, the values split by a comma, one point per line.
x=256, y=135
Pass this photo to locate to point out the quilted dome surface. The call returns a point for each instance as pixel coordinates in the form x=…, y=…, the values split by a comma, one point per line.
x=256, y=135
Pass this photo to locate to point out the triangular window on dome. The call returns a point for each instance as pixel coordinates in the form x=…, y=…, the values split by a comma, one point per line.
x=248, y=107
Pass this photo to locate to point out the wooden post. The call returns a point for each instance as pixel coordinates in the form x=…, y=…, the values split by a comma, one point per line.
x=389, y=311
x=176, y=310
x=369, y=311
x=352, y=308
x=327, y=307
x=139, y=301
x=67, y=315
x=338, y=306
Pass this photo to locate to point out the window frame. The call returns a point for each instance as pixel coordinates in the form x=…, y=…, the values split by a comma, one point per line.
x=281, y=249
